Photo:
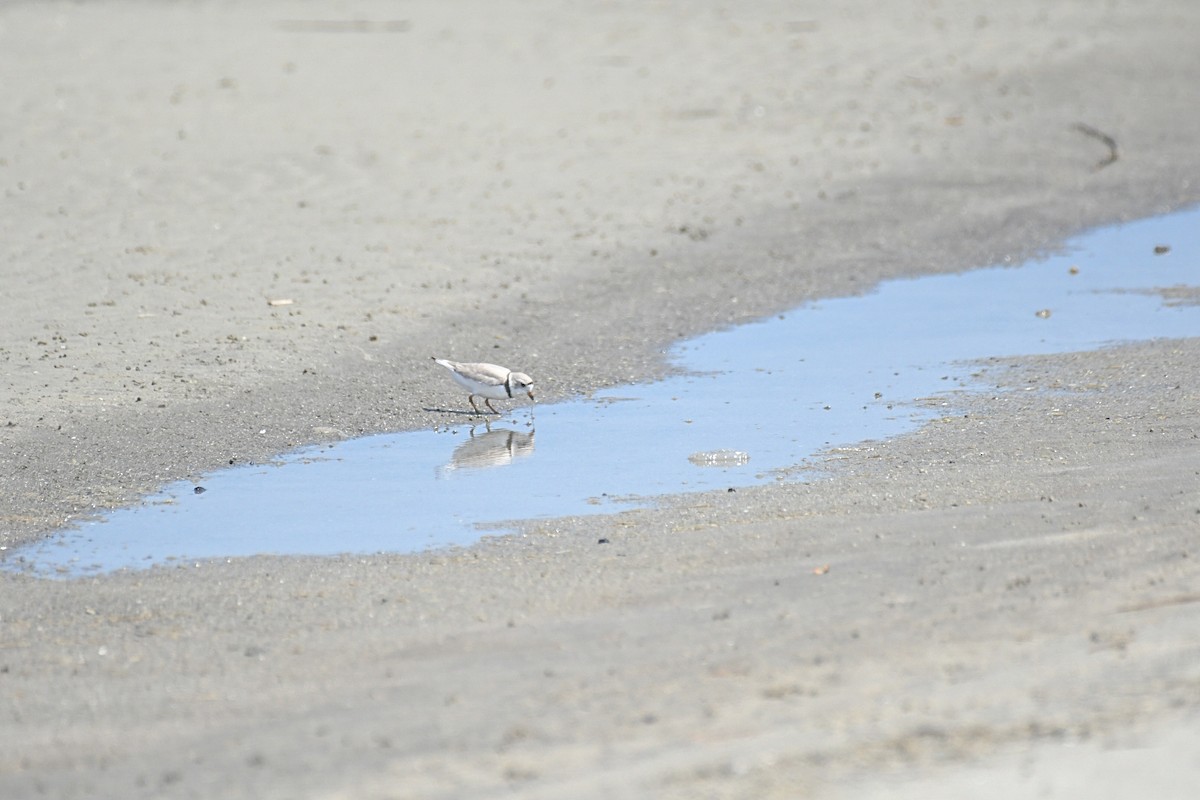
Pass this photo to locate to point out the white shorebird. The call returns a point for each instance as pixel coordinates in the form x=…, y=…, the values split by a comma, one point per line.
x=489, y=381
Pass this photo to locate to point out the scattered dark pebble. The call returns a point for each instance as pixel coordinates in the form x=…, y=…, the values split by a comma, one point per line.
x=731, y=489
x=1161, y=249
x=199, y=490
x=602, y=541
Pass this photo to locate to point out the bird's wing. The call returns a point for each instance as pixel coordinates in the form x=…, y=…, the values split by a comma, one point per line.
x=491, y=374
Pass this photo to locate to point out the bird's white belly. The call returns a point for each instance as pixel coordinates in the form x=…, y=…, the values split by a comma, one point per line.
x=495, y=392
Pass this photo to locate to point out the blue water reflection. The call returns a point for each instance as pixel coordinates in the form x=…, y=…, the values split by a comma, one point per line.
x=780, y=391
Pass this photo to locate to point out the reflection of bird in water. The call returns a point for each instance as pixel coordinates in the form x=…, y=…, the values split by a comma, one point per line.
x=495, y=448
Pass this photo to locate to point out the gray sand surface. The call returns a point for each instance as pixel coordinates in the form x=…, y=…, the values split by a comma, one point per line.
x=1003, y=603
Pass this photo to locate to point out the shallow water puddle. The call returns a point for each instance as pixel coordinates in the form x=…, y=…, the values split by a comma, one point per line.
x=757, y=401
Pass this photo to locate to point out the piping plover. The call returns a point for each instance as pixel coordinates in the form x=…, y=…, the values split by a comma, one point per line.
x=489, y=381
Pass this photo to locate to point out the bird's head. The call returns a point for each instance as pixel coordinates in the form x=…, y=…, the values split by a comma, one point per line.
x=523, y=383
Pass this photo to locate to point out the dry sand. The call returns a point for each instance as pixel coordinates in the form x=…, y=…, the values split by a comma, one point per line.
x=1011, y=598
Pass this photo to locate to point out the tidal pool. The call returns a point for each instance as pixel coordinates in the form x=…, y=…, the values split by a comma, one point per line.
x=754, y=402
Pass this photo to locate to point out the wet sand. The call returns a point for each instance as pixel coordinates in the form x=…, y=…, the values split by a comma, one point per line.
x=570, y=190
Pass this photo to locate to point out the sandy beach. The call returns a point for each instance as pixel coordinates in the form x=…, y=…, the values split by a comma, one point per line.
x=231, y=230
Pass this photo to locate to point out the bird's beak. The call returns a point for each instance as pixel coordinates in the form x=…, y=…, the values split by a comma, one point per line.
x=531, y=397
